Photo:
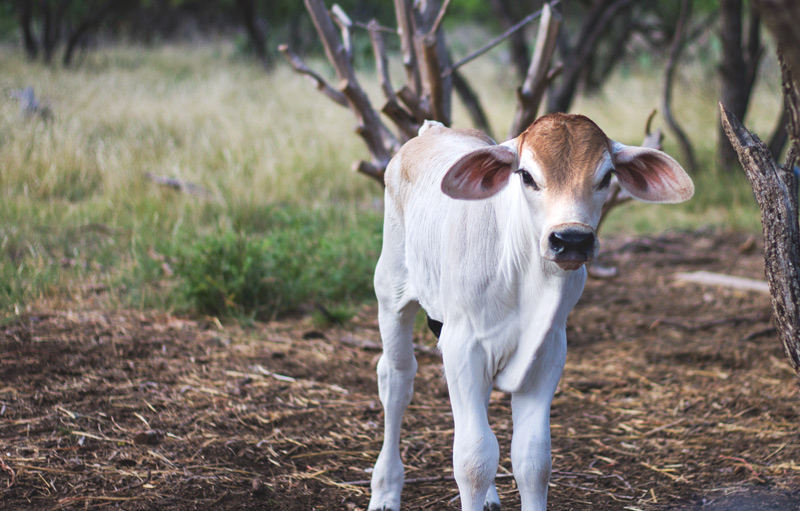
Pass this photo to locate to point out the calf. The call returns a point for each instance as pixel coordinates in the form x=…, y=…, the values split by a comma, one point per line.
x=491, y=241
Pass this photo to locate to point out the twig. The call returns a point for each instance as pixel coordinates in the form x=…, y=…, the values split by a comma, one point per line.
x=299, y=66
x=10, y=471
x=343, y=20
x=652, y=138
x=139, y=484
x=440, y=17
x=497, y=40
x=759, y=333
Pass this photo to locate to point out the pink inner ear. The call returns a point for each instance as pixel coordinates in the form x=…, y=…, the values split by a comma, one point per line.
x=652, y=176
x=480, y=174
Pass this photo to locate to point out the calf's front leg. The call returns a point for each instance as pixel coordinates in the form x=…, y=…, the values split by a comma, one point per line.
x=475, y=449
x=530, y=408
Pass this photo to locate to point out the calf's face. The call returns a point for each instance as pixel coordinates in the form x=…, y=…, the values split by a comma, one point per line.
x=564, y=165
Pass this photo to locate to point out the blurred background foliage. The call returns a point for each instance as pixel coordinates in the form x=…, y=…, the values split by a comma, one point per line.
x=196, y=90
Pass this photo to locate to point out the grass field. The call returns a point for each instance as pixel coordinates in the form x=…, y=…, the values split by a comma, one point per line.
x=283, y=221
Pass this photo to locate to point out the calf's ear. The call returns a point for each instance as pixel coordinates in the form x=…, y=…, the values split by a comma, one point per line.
x=651, y=175
x=481, y=173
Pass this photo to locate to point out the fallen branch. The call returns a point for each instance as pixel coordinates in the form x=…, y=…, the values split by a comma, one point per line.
x=710, y=323
x=720, y=279
x=759, y=333
x=180, y=185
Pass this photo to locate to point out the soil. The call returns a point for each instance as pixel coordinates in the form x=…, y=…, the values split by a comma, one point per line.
x=675, y=396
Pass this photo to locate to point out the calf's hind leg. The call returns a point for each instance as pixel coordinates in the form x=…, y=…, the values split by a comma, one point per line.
x=396, y=369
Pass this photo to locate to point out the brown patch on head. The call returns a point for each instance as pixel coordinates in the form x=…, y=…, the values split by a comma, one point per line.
x=568, y=148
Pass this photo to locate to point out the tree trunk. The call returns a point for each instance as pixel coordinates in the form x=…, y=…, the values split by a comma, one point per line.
x=575, y=59
x=258, y=39
x=782, y=17
x=25, y=8
x=86, y=26
x=737, y=71
x=776, y=190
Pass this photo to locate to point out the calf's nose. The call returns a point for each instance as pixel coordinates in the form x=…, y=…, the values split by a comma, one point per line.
x=571, y=240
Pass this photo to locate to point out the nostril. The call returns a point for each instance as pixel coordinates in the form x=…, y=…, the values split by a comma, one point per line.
x=577, y=241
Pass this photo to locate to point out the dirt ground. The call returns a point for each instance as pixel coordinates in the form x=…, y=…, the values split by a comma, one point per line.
x=675, y=396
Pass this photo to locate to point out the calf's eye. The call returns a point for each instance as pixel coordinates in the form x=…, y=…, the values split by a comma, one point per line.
x=606, y=182
x=527, y=179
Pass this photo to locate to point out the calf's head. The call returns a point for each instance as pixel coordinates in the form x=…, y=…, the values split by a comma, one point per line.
x=563, y=166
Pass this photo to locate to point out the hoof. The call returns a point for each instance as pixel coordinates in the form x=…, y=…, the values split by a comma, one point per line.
x=494, y=506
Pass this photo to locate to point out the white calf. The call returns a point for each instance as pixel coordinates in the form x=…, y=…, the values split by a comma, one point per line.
x=491, y=241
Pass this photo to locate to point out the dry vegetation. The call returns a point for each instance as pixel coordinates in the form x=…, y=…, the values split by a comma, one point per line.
x=674, y=396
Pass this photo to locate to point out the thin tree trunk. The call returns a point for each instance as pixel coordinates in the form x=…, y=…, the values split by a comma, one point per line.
x=674, y=55
x=47, y=31
x=596, y=25
x=258, y=40
x=25, y=8
x=779, y=137
x=87, y=25
x=737, y=71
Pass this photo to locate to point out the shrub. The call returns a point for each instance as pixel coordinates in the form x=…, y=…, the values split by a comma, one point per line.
x=263, y=276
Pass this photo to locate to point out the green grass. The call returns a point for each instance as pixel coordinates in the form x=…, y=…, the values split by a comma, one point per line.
x=286, y=223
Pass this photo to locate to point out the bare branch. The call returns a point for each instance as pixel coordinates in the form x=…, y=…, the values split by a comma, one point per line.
x=405, y=24
x=405, y=122
x=370, y=169
x=180, y=185
x=299, y=66
x=380, y=141
x=413, y=102
x=652, y=139
x=379, y=50
x=440, y=17
x=616, y=195
x=433, y=77
x=343, y=20
x=532, y=91
x=497, y=40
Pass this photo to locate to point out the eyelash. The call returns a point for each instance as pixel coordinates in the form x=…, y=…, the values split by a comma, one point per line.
x=527, y=179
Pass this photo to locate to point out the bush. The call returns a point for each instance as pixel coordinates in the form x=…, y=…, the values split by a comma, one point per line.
x=263, y=276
